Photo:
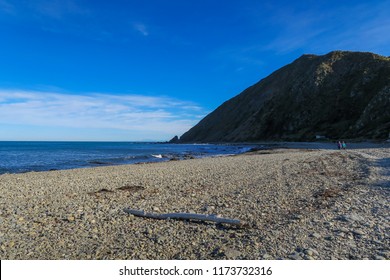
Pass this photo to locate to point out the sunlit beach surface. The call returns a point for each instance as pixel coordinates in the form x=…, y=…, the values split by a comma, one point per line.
x=304, y=202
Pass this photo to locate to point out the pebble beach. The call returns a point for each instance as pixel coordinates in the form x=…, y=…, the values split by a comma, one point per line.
x=294, y=204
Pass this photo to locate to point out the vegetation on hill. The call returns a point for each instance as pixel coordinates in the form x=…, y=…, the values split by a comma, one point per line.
x=338, y=95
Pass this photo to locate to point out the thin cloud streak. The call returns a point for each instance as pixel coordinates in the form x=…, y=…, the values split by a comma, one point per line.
x=58, y=9
x=159, y=115
x=363, y=27
x=141, y=28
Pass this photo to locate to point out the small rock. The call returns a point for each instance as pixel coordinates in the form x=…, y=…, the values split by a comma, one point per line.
x=384, y=253
x=329, y=238
x=114, y=212
x=267, y=257
x=315, y=235
x=353, y=217
x=311, y=252
x=351, y=243
x=297, y=217
x=358, y=232
x=70, y=218
x=378, y=257
x=341, y=234
x=345, y=230
x=295, y=256
x=232, y=253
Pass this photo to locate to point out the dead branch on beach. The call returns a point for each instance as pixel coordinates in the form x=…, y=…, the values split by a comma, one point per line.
x=185, y=216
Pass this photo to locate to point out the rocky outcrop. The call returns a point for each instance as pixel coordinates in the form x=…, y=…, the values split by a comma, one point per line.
x=174, y=140
x=337, y=95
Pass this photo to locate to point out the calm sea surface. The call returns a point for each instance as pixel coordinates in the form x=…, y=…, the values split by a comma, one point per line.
x=17, y=157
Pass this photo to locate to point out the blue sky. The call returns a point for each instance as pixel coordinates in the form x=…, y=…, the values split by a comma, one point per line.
x=148, y=70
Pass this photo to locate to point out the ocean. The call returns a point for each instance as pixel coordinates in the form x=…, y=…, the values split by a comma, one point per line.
x=26, y=156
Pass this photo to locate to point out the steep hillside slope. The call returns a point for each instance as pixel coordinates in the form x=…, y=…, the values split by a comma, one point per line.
x=337, y=95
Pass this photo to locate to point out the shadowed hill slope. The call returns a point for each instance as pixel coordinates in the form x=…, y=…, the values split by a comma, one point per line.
x=338, y=95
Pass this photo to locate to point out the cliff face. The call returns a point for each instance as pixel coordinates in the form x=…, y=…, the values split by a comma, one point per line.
x=338, y=95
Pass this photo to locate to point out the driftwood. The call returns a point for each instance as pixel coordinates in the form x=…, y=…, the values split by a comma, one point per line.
x=184, y=216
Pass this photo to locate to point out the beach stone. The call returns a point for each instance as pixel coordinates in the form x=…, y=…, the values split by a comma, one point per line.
x=30, y=254
x=353, y=217
x=295, y=256
x=229, y=184
x=316, y=235
x=297, y=217
x=311, y=252
x=378, y=257
x=267, y=257
x=231, y=253
x=70, y=218
x=358, y=232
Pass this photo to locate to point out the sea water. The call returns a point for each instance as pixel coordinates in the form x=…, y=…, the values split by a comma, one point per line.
x=25, y=156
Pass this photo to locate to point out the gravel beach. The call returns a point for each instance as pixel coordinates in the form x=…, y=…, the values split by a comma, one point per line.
x=296, y=204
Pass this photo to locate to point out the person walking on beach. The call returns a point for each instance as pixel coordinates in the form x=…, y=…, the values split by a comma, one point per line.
x=344, y=146
x=339, y=145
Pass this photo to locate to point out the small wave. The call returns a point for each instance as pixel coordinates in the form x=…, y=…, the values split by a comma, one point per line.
x=157, y=156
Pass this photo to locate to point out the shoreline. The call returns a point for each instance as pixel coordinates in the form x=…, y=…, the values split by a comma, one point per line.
x=40, y=156
x=252, y=147
x=299, y=204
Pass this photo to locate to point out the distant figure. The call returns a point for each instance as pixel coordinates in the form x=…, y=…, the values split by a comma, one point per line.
x=344, y=146
x=339, y=145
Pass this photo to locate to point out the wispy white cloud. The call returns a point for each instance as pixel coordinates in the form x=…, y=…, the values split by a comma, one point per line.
x=159, y=116
x=315, y=28
x=141, y=28
x=57, y=9
x=361, y=27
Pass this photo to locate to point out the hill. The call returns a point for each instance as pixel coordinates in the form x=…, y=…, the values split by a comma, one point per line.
x=338, y=95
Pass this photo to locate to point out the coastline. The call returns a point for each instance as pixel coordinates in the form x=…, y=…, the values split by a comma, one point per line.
x=38, y=156
x=298, y=204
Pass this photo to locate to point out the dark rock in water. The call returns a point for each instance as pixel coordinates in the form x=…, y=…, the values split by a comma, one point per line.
x=174, y=140
x=338, y=95
x=188, y=157
x=98, y=162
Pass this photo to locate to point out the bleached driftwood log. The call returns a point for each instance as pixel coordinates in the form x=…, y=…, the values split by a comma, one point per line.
x=184, y=216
